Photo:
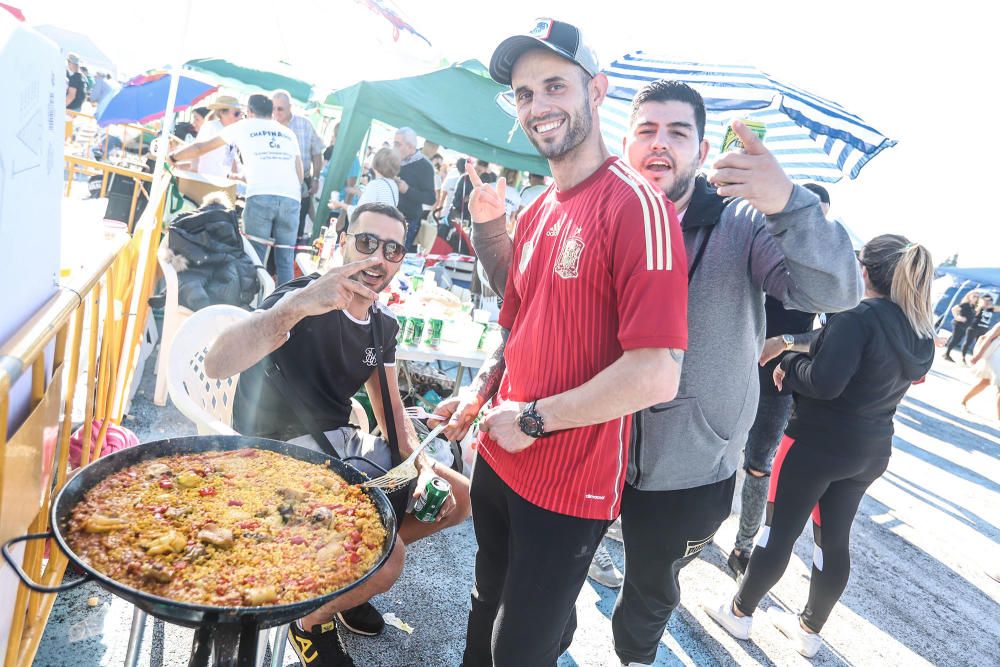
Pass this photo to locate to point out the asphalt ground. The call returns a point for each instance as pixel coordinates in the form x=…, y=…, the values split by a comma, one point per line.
x=919, y=594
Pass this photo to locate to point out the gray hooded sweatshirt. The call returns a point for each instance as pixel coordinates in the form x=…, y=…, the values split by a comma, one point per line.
x=737, y=254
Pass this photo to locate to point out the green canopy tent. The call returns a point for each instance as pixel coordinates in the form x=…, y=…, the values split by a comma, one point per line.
x=455, y=107
x=232, y=75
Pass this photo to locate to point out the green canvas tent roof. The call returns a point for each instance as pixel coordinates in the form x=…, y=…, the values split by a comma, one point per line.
x=232, y=75
x=455, y=107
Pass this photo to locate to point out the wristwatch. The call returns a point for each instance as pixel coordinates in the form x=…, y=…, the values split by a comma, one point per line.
x=788, y=340
x=531, y=421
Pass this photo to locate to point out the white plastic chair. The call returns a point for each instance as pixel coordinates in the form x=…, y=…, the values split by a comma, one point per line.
x=206, y=401
x=174, y=314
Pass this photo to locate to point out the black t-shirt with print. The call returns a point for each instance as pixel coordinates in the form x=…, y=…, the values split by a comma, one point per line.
x=75, y=80
x=984, y=318
x=326, y=359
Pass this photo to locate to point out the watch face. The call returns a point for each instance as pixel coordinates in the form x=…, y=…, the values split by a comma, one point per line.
x=529, y=425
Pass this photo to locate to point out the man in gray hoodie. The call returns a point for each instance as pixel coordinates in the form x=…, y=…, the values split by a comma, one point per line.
x=755, y=234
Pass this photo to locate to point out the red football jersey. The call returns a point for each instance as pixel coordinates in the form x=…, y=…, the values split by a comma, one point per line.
x=597, y=269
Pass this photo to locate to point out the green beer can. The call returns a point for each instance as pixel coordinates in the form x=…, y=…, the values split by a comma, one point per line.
x=401, y=334
x=414, y=330
x=434, y=328
x=429, y=505
x=731, y=141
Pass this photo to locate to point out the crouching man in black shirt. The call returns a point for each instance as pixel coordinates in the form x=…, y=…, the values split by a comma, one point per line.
x=320, y=332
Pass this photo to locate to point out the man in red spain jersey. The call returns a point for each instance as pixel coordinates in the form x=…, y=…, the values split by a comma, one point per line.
x=755, y=233
x=584, y=351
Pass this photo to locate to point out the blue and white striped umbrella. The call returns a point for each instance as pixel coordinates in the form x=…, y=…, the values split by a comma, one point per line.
x=813, y=138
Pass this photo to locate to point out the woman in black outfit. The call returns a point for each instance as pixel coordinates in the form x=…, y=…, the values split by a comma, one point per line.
x=839, y=438
x=978, y=325
x=964, y=314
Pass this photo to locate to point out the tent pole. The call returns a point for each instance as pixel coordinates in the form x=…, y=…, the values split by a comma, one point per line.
x=352, y=130
x=364, y=150
x=167, y=125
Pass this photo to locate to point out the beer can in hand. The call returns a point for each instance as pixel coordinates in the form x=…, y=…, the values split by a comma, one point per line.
x=731, y=141
x=429, y=505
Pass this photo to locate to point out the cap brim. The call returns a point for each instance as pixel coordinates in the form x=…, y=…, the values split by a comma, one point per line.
x=512, y=48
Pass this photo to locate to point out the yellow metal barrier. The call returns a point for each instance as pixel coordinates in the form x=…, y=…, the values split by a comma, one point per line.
x=119, y=285
x=125, y=128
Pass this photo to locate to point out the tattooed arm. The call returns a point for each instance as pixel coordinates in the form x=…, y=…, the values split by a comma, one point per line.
x=487, y=380
x=461, y=410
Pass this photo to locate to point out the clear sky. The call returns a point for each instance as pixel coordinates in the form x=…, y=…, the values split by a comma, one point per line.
x=920, y=72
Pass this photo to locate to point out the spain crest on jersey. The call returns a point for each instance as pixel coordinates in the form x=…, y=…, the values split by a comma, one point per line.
x=568, y=264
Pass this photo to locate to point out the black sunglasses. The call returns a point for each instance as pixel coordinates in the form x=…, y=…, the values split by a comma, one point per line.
x=369, y=243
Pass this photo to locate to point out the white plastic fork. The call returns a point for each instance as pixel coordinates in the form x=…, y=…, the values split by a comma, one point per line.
x=417, y=412
x=405, y=471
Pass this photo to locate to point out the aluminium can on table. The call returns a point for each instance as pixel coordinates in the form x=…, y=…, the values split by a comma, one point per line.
x=429, y=505
x=401, y=334
x=435, y=326
x=414, y=331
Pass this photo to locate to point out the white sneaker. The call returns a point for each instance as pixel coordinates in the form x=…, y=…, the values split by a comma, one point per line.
x=603, y=571
x=805, y=642
x=615, y=530
x=737, y=626
x=615, y=661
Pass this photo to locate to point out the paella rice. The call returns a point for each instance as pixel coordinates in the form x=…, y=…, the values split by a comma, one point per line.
x=248, y=527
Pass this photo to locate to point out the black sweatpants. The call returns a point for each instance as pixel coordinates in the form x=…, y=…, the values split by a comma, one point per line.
x=809, y=478
x=663, y=531
x=971, y=336
x=530, y=567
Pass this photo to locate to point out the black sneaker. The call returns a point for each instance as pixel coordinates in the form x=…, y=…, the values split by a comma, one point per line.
x=738, y=561
x=319, y=648
x=947, y=357
x=362, y=620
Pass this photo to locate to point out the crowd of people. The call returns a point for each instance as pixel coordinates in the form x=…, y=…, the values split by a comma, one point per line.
x=656, y=324
x=658, y=333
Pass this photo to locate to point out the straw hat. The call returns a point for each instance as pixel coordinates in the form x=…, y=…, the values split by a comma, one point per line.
x=223, y=102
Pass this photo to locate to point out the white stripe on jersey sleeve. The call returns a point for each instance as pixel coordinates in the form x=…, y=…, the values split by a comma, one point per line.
x=650, y=200
x=659, y=206
x=616, y=170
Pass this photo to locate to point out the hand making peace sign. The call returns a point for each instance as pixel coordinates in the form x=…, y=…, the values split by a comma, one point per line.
x=486, y=203
x=335, y=289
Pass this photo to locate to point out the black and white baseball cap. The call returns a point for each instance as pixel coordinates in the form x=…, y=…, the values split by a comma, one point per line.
x=562, y=38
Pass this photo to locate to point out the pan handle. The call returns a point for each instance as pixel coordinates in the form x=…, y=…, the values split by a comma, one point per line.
x=361, y=458
x=23, y=576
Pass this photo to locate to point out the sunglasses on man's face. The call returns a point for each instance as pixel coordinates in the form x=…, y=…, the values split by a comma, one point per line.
x=368, y=243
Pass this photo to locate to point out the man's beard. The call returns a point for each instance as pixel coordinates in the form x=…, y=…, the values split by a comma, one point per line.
x=578, y=128
x=683, y=182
